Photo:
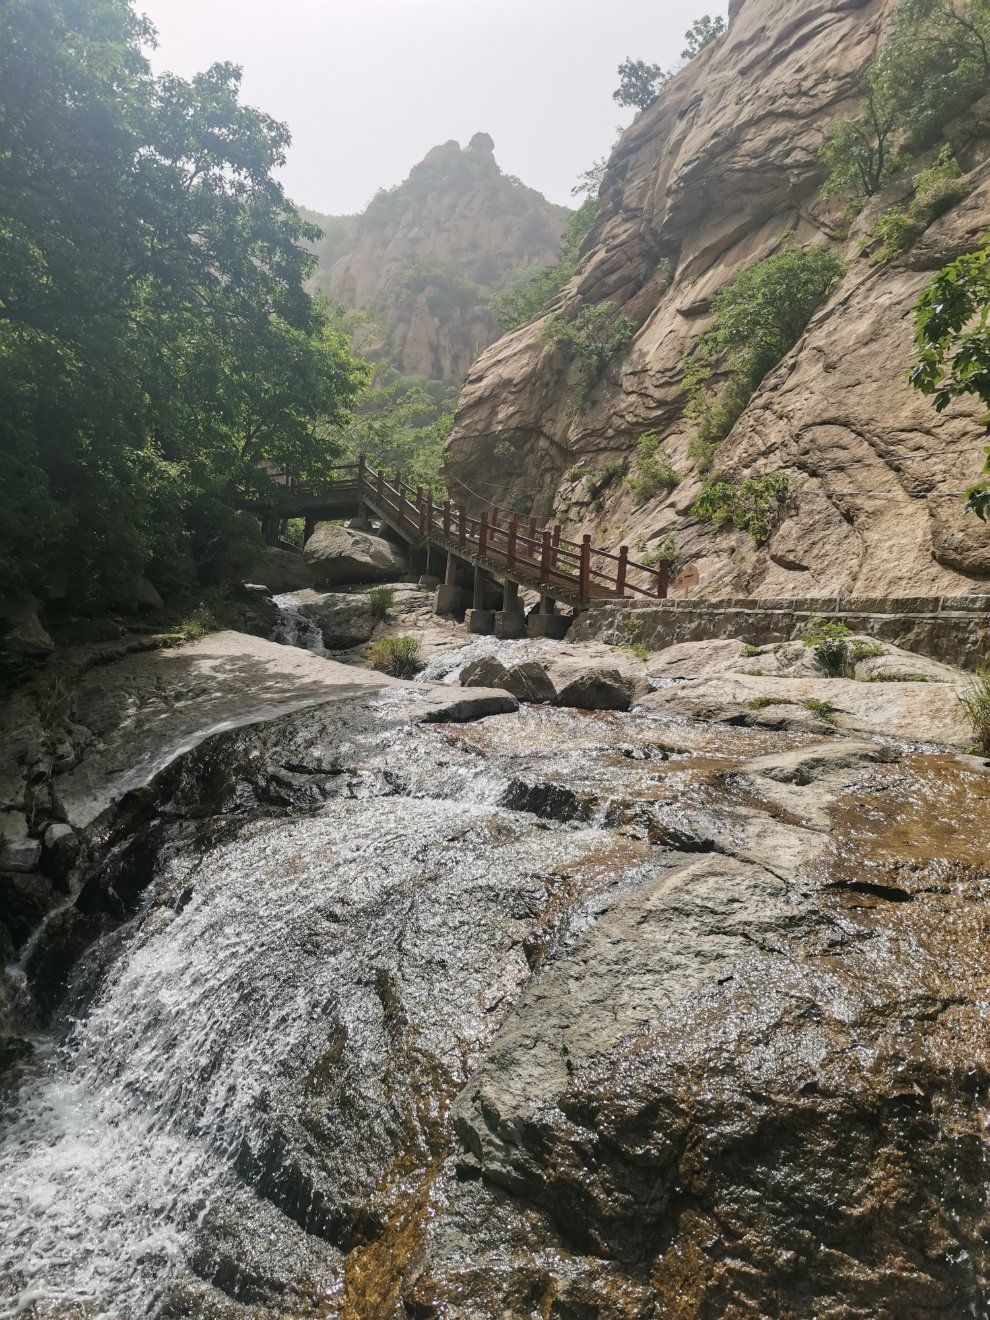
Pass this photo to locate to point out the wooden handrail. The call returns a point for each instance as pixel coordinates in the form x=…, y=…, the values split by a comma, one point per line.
x=542, y=556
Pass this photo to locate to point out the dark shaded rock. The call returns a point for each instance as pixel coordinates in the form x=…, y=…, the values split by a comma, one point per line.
x=598, y=689
x=528, y=681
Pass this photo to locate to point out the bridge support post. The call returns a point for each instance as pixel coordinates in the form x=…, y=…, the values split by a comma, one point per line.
x=449, y=597
x=510, y=620
x=480, y=620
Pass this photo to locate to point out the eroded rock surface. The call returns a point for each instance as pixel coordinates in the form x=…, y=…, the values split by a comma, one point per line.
x=701, y=185
x=559, y=1012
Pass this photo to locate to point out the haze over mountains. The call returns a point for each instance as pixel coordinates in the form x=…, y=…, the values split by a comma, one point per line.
x=427, y=259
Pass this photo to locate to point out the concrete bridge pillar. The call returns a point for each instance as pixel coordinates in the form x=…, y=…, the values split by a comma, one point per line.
x=480, y=620
x=449, y=597
x=510, y=620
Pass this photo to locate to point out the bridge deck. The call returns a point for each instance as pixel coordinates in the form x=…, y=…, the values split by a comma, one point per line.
x=542, y=559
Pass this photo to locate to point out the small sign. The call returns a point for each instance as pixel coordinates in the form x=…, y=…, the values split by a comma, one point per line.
x=686, y=579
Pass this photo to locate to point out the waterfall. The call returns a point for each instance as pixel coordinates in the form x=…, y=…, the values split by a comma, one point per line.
x=295, y=629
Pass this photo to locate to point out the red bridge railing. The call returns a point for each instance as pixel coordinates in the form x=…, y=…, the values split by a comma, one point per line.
x=538, y=556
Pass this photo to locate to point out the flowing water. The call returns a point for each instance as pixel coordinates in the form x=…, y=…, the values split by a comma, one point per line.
x=304, y=991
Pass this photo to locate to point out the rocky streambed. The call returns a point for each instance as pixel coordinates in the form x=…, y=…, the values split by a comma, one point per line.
x=373, y=999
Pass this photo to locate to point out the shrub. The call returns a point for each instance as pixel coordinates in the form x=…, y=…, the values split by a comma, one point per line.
x=755, y=507
x=380, y=601
x=828, y=640
x=823, y=709
x=976, y=703
x=664, y=552
x=861, y=650
x=653, y=471
x=935, y=191
x=756, y=319
x=517, y=306
x=592, y=339
x=398, y=656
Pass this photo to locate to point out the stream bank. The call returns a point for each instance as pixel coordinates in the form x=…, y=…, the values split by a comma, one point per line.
x=551, y=1012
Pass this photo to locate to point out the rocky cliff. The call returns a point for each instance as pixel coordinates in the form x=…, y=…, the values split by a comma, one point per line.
x=702, y=184
x=427, y=258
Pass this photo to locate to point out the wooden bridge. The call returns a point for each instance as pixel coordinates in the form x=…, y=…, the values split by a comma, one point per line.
x=498, y=545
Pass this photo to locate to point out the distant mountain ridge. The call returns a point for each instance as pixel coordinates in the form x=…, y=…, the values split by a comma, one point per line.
x=427, y=258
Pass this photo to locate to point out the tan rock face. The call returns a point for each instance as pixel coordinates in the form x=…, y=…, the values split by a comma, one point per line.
x=427, y=257
x=700, y=186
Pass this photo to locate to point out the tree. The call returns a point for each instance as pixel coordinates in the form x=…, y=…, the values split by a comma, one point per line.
x=517, y=306
x=952, y=331
x=156, y=342
x=701, y=33
x=590, y=180
x=934, y=65
x=639, y=83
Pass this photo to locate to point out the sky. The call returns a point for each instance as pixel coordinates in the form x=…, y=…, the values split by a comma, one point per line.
x=368, y=86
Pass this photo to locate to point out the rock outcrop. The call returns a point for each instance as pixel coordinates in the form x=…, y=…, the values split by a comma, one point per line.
x=702, y=184
x=427, y=257
x=342, y=554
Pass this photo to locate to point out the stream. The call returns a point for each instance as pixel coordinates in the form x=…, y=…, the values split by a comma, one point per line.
x=460, y=1019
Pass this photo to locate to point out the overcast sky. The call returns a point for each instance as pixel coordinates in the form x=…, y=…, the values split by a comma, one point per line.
x=368, y=86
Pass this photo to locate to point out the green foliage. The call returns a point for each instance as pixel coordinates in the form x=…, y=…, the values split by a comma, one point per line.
x=756, y=506
x=935, y=191
x=591, y=339
x=952, y=332
x=701, y=33
x=639, y=83
x=664, y=552
x=652, y=471
x=934, y=65
x=828, y=640
x=761, y=703
x=380, y=601
x=976, y=703
x=862, y=650
x=823, y=709
x=398, y=656
x=401, y=423
x=156, y=341
x=756, y=319
x=519, y=305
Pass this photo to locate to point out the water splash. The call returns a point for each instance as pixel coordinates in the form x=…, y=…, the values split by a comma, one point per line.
x=295, y=628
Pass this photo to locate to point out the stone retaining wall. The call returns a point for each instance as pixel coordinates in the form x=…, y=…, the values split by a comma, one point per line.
x=955, y=629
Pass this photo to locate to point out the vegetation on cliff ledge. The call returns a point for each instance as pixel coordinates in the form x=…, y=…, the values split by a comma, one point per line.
x=757, y=318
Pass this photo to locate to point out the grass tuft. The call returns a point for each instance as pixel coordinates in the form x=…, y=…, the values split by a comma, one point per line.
x=380, y=602
x=976, y=703
x=398, y=656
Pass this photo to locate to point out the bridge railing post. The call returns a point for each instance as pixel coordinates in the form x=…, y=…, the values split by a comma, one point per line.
x=494, y=518
x=429, y=511
x=446, y=520
x=362, y=471
x=420, y=510
x=585, y=577
x=623, y=568
x=462, y=526
x=555, y=545
x=663, y=581
x=483, y=534
x=380, y=485
x=402, y=498
x=510, y=550
x=545, y=557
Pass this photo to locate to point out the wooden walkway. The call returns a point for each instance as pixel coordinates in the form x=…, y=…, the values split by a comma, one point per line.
x=496, y=541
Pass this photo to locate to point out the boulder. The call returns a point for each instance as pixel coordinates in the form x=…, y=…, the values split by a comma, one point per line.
x=598, y=689
x=341, y=554
x=528, y=681
x=283, y=570
x=343, y=620
x=23, y=632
